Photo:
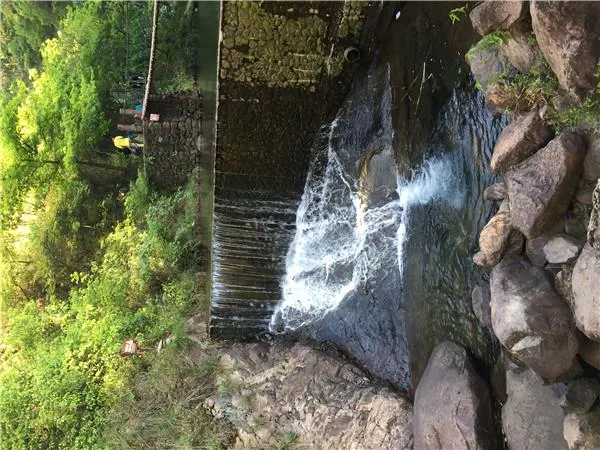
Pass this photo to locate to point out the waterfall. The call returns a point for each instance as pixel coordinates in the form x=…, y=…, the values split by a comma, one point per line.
x=341, y=240
x=340, y=243
x=380, y=262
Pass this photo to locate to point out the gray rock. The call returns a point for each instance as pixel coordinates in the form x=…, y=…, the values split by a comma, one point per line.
x=519, y=140
x=591, y=163
x=540, y=189
x=520, y=52
x=586, y=295
x=531, y=320
x=486, y=65
x=534, y=248
x=584, y=195
x=532, y=417
x=567, y=34
x=580, y=395
x=463, y=418
x=561, y=249
x=590, y=352
x=491, y=16
x=494, y=238
x=495, y=192
x=582, y=431
x=480, y=300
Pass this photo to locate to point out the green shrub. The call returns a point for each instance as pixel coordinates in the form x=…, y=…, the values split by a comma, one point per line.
x=60, y=369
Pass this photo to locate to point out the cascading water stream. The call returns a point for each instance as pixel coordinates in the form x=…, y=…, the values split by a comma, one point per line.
x=362, y=235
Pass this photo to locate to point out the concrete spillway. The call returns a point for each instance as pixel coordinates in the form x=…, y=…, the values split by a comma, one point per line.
x=282, y=73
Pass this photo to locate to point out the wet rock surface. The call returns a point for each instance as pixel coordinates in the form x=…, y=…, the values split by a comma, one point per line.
x=586, y=295
x=531, y=320
x=319, y=397
x=519, y=140
x=584, y=195
x=532, y=417
x=540, y=189
x=463, y=419
x=172, y=141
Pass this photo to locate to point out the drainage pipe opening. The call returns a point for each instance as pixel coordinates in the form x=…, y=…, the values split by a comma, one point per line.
x=351, y=54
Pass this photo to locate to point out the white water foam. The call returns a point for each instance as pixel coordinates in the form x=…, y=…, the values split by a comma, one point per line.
x=434, y=181
x=339, y=244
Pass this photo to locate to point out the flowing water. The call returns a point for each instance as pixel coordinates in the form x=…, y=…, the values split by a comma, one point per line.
x=380, y=263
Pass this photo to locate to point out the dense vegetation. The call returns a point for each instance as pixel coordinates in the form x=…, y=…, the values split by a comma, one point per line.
x=90, y=253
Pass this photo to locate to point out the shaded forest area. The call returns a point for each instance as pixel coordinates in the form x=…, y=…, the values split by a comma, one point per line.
x=91, y=253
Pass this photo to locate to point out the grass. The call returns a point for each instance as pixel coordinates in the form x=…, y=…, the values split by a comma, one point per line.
x=163, y=408
x=285, y=440
x=539, y=87
x=525, y=91
x=63, y=383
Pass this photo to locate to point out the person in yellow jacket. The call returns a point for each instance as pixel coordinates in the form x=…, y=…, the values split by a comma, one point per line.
x=126, y=144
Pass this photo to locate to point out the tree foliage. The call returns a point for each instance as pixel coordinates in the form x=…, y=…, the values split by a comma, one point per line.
x=60, y=369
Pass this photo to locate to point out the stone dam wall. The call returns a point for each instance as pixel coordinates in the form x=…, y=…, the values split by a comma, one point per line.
x=282, y=74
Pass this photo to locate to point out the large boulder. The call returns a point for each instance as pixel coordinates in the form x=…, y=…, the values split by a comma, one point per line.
x=586, y=295
x=582, y=431
x=491, y=16
x=561, y=249
x=519, y=140
x=452, y=403
x=532, y=417
x=531, y=320
x=568, y=35
x=540, y=189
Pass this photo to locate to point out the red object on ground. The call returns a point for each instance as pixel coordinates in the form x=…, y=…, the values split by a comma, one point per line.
x=128, y=347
